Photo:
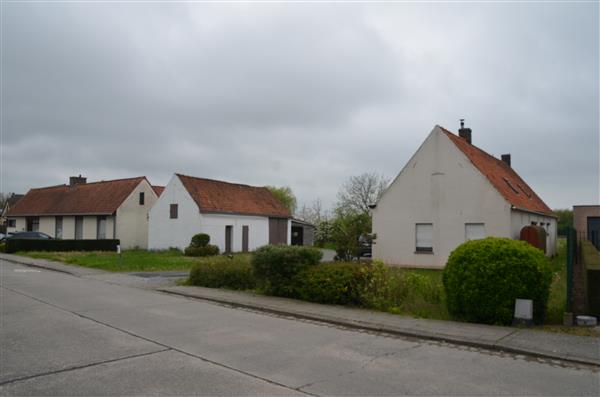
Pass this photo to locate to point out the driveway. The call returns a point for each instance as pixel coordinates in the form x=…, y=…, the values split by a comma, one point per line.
x=67, y=335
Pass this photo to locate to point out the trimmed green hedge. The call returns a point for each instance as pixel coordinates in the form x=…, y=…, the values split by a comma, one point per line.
x=483, y=278
x=15, y=245
x=333, y=283
x=275, y=266
x=224, y=272
x=208, y=250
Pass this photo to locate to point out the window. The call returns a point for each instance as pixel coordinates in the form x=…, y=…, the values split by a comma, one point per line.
x=173, y=209
x=12, y=223
x=33, y=224
x=424, y=237
x=78, y=227
x=101, y=227
x=141, y=198
x=58, y=227
x=474, y=231
x=533, y=223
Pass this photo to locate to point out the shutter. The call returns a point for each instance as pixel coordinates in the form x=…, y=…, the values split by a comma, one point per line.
x=424, y=237
x=474, y=231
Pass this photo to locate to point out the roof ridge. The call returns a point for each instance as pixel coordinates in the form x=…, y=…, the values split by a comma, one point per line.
x=88, y=183
x=219, y=181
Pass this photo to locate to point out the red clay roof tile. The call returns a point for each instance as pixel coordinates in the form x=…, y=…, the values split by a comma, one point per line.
x=94, y=198
x=225, y=197
x=506, y=181
x=158, y=189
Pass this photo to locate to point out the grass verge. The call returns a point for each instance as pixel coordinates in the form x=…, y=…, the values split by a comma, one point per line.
x=131, y=260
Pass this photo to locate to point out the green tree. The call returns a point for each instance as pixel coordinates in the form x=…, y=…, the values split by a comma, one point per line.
x=359, y=192
x=345, y=231
x=565, y=220
x=285, y=196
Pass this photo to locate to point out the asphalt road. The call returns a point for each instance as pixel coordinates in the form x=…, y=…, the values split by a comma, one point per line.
x=63, y=335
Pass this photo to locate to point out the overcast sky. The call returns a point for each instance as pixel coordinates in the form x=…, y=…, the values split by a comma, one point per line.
x=303, y=95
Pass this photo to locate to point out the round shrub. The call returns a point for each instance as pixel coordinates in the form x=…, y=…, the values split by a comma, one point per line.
x=208, y=250
x=223, y=272
x=275, y=266
x=200, y=240
x=483, y=278
x=333, y=283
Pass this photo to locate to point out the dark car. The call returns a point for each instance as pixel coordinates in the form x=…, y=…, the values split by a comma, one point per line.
x=30, y=236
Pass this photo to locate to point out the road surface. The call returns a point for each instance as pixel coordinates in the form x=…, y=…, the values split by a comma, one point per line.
x=64, y=335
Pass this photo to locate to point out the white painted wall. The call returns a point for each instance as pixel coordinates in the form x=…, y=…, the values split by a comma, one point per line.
x=438, y=185
x=68, y=227
x=165, y=232
x=214, y=226
x=520, y=219
x=20, y=224
x=89, y=227
x=47, y=224
x=132, y=218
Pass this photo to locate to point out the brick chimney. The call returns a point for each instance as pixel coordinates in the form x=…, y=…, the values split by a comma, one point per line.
x=77, y=180
x=506, y=158
x=464, y=133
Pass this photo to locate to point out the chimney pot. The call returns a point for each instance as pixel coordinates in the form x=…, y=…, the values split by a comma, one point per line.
x=506, y=158
x=77, y=180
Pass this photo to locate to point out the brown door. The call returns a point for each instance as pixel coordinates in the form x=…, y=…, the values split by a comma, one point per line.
x=278, y=230
x=228, y=233
x=244, y=238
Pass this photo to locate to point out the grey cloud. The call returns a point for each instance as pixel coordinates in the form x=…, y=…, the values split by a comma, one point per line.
x=298, y=94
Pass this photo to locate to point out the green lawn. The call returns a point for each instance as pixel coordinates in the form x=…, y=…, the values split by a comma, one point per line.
x=131, y=261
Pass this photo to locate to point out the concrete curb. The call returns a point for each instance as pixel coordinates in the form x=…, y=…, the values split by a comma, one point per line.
x=501, y=344
x=72, y=270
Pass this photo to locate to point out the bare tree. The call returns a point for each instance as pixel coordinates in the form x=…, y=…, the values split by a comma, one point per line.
x=361, y=191
x=314, y=213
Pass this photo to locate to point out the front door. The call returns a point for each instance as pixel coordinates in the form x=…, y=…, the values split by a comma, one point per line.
x=245, y=232
x=228, y=238
x=593, y=230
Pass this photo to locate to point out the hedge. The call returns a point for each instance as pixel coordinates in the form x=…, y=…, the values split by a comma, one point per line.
x=483, y=278
x=333, y=283
x=275, y=266
x=208, y=250
x=14, y=245
x=224, y=272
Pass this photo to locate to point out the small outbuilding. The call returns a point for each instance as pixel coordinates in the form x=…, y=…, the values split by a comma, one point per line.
x=303, y=233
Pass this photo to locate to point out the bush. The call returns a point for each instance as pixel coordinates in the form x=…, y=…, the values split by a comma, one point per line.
x=200, y=240
x=334, y=283
x=2, y=247
x=275, y=266
x=224, y=272
x=483, y=278
x=14, y=245
x=208, y=250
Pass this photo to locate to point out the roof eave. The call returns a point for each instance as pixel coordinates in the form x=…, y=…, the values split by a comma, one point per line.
x=548, y=214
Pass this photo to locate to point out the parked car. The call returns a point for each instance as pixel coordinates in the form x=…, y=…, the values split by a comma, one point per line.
x=6, y=236
x=30, y=236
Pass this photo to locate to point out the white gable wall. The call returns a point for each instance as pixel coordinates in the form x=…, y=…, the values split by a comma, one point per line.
x=439, y=185
x=132, y=218
x=164, y=232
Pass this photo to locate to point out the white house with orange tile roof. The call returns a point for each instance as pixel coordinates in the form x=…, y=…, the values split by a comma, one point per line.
x=81, y=210
x=237, y=217
x=451, y=191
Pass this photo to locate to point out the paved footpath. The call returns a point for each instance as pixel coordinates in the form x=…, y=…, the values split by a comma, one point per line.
x=97, y=334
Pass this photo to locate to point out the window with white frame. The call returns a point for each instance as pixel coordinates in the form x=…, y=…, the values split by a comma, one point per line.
x=474, y=231
x=424, y=237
